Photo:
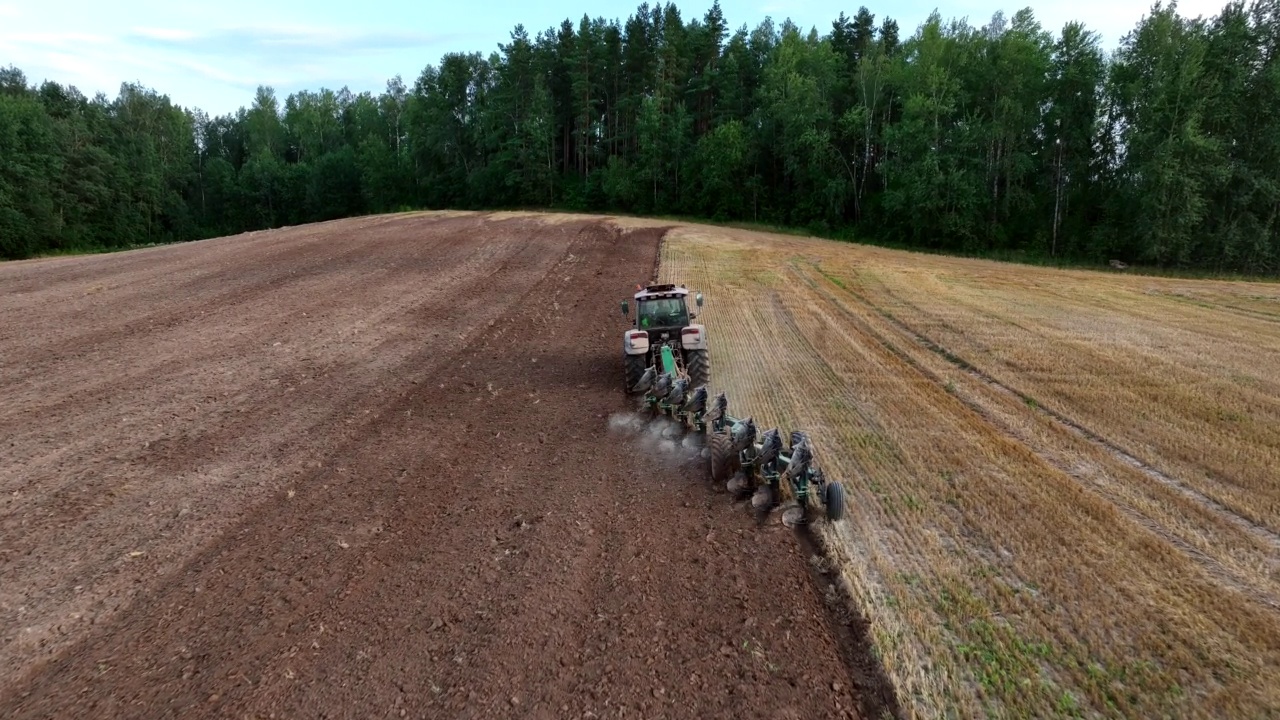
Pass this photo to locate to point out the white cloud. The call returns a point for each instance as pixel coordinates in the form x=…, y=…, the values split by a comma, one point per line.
x=95, y=46
x=213, y=72
x=171, y=34
x=58, y=40
x=89, y=70
x=281, y=43
x=216, y=69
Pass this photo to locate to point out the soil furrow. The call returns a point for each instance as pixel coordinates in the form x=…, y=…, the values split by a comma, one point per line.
x=437, y=522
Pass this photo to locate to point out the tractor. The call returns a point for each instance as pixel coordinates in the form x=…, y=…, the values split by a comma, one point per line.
x=663, y=332
x=665, y=358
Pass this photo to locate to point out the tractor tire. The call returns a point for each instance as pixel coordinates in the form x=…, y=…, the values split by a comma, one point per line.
x=633, y=367
x=699, y=366
x=723, y=458
x=833, y=498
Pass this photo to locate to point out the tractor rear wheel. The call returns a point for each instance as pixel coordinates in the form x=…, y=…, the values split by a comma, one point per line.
x=633, y=367
x=699, y=367
x=723, y=458
x=834, y=500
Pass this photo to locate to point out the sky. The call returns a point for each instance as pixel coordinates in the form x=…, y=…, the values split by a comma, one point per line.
x=213, y=56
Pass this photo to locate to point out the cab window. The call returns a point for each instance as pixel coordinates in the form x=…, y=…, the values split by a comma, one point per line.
x=663, y=312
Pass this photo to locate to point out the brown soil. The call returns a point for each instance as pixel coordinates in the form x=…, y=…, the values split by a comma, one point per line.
x=364, y=469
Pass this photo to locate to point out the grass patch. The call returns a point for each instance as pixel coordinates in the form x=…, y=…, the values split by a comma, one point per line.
x=1007, y=665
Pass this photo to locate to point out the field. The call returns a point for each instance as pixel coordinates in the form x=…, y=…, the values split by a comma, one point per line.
x=363, y=469
x=1062, y=484
x=371, y=467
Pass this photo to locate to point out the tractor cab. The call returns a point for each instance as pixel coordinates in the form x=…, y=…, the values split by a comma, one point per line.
x=663, y=327
x=661, y=313
x=662, y=308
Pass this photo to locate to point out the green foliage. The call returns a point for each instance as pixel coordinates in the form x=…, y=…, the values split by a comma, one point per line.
x=1003, y=140
x=28, y=208
x=721, y=161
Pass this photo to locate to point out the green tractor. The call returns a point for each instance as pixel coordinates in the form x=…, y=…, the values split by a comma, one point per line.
x=663, y=328
x=665, y=359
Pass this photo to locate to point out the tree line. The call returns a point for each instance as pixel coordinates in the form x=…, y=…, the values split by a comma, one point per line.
x=1003, y=138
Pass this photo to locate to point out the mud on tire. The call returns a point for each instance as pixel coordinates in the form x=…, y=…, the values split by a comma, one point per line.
x=724, y=460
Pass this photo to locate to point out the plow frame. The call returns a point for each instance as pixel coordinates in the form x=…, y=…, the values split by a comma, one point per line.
x=769, y=471
x=803, y=486
x=812, y=482
x=771, y=474
x=667, y=363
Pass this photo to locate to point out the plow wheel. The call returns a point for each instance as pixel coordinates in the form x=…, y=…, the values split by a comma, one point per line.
x=699, y=367
x=723, y=458
x=633, y=367
x=834, y=500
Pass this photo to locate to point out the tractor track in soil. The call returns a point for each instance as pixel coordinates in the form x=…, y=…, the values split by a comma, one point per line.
x=379, y=483
x=1211, y=566
x=1261, y=532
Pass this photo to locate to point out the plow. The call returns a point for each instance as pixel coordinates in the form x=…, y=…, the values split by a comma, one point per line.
x=666, y=363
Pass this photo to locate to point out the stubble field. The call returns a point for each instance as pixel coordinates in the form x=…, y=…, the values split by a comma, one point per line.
x=1061, y=484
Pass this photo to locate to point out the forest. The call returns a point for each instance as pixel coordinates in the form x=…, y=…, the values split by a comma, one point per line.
x=1005, y=139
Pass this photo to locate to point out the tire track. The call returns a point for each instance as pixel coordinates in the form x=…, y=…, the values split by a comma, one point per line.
x=1259, y=531
x=1248, y=492
x=1212, y=566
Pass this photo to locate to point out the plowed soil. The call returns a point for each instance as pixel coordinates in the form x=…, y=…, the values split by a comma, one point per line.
x=364, y=469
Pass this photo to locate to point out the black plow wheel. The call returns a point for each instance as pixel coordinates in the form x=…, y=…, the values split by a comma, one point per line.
x=723, y=458
x=834, y=500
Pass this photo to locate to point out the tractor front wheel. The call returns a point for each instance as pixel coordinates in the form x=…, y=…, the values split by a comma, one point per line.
x=633, y=367
x=699, y=367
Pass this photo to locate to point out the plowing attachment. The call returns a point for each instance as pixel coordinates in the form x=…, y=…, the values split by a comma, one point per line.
x=667, y=392
x=760, y=465
x=739, y=457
